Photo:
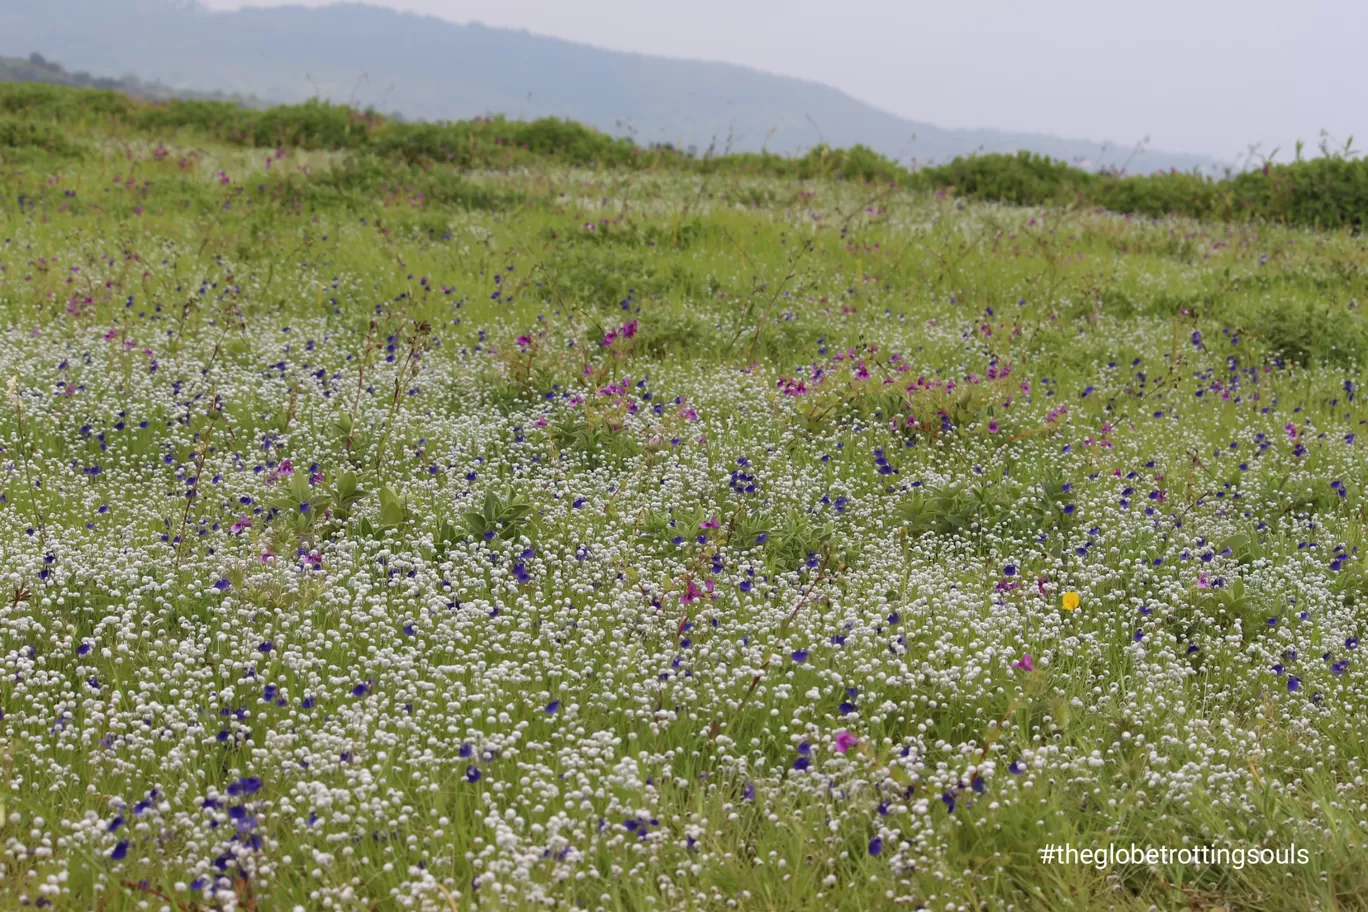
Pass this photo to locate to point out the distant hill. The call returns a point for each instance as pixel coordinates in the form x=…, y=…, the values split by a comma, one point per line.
x=427, y=68
x=36, y=68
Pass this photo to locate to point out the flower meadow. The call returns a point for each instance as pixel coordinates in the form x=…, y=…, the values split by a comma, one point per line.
x=378, y=536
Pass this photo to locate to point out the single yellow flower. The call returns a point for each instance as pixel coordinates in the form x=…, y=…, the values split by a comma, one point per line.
x=1071, y=601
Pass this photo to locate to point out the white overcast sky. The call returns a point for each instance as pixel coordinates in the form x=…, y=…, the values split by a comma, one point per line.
x=1205, y=76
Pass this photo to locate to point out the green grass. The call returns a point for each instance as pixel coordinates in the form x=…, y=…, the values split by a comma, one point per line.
x=874, y=400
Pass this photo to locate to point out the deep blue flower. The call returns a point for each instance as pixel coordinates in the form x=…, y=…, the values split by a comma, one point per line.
x=120, y=851
x=800, y=656
x=875, y=846
x=473, y=773
x=553, y=707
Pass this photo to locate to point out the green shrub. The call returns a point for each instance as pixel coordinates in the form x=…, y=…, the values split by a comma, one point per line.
x=1328, y=192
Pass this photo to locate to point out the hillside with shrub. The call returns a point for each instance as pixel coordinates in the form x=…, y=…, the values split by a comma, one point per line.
x=1328, y=192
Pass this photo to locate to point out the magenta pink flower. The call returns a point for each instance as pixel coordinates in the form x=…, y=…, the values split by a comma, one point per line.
x=1026, y=663
x=845, y=741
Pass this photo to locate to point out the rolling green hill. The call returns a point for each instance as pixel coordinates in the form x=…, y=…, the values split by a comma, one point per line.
x=430, y=69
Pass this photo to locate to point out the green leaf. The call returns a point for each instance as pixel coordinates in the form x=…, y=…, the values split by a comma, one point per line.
x=393, y=510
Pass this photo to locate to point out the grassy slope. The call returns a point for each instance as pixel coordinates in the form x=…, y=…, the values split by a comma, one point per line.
x=161, y=275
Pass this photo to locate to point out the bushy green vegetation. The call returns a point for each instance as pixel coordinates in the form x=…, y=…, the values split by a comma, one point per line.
x=35, y=69
x=535, y=528
x=1329, y=192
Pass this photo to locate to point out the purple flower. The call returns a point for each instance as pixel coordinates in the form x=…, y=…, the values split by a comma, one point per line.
x=875, y=846
x=473, y=773
x=800, y=656
x=120, y=851
x=553, y=707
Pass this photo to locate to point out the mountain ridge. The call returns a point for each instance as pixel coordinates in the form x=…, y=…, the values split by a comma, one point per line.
x=429, y=68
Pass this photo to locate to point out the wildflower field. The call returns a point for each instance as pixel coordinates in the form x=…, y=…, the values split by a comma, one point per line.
x=382, y=535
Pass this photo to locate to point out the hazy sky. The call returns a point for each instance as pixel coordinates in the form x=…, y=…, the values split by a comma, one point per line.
x=1206, y=76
